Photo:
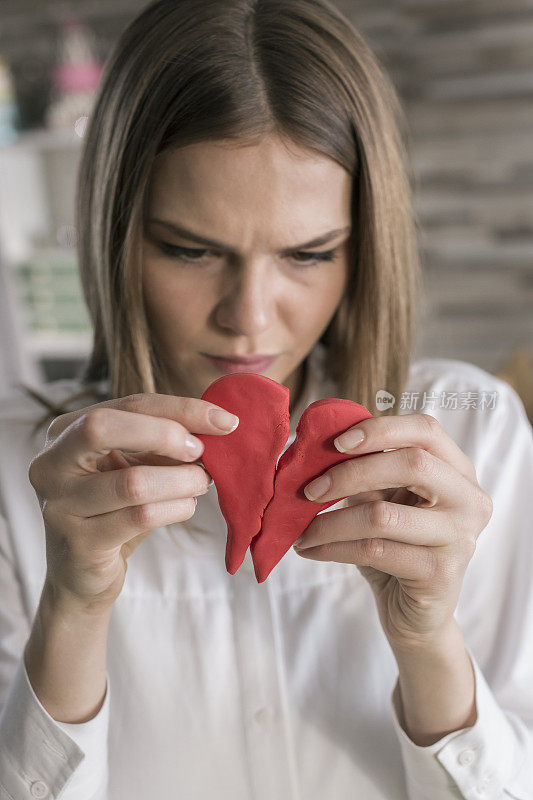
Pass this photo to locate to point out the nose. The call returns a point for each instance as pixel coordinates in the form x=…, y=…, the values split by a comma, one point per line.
x=247, y=305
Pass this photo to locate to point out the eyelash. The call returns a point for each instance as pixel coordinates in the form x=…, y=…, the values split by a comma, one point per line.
x=184, y=254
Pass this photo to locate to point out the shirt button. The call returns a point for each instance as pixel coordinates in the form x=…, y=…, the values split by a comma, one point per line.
x=466, y=757
x=39, y=789
x=483, y=786
x=264, y=716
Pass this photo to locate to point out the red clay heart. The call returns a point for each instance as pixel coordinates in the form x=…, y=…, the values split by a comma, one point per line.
x=243, y=463
x=264, y=507
x=312, y=453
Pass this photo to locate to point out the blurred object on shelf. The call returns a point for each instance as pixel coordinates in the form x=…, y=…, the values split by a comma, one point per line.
x=75, y=76
x=50, y=292
x=17, y=363
x=32, y=89
x=518, y=372
x=8, y=108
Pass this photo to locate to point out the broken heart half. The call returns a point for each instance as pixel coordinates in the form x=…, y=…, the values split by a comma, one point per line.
x=261, y=498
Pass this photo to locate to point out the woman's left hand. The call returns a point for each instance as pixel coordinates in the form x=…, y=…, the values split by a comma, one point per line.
x=413, y=542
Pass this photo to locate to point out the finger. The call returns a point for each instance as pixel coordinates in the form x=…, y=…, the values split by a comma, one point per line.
x=155, y=460
x=101, y=430
x=192, y=413
x=105, y=531
x=91, y=495
x=381, y=519
x=412, y=468
x=404, y=561
x=408, y=430
x=115, y=459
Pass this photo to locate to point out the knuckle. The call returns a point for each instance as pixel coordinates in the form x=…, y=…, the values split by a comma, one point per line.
x=371, y=549
x=388, y=427
x=144, y=515
x=353, y=469
x=35, y=471
x=94, y=425
x=383, y=514
x=431, y=425
x=132, y=484
x=189, y=405
x=419, y=460
x=132, y=402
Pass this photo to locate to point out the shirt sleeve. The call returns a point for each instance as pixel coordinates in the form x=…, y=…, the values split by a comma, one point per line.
x=494, y=757
x=39, y=756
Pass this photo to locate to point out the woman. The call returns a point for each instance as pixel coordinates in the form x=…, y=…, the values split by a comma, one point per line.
x=242, y=192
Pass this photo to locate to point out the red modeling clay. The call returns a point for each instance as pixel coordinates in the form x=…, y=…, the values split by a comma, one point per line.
x=264, y=507
x=312, y=453
x=243, y=463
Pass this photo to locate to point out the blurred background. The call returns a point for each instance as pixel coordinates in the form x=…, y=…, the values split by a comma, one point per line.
x=464, y=71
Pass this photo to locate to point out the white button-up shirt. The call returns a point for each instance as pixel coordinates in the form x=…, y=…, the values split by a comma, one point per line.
x=220, y=687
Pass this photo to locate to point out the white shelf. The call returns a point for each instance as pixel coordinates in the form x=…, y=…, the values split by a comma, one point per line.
x=54, y=345
x=43, y=139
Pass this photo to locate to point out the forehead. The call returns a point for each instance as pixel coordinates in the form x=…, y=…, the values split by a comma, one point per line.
x=280, y=185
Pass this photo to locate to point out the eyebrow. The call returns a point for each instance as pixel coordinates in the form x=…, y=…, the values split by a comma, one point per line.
x=194, y=237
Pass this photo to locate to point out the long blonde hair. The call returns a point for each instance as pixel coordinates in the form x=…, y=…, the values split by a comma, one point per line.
x=186, y=71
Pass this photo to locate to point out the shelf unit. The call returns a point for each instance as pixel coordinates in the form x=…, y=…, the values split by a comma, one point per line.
x=37, y=244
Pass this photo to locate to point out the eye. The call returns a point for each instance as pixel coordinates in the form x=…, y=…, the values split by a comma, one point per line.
x=315, y=258
x=195, y=255
x=183, y=253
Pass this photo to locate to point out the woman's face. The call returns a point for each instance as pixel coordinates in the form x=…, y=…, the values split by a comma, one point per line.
x=253, y=289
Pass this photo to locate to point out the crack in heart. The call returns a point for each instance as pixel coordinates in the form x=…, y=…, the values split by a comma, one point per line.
x=258, y=489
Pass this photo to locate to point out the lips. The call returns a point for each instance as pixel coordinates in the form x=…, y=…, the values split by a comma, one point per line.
x=227, y=366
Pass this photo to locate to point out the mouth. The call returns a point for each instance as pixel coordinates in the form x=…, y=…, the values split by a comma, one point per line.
x=230, y=365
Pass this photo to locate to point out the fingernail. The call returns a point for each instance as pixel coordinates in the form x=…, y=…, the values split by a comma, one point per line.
x=194, y=446
x=347, y=441
x=223, y=419
x=318, y=487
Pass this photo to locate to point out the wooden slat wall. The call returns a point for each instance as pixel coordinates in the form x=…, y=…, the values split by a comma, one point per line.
x=465, y=73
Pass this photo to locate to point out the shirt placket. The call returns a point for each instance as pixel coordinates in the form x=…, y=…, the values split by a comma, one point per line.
x=266, y=724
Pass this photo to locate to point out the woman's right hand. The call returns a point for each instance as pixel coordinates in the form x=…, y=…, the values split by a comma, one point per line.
x=98, y=503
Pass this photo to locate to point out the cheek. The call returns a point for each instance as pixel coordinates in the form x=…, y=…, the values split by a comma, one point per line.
x=320, y=297
x=175, y=306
